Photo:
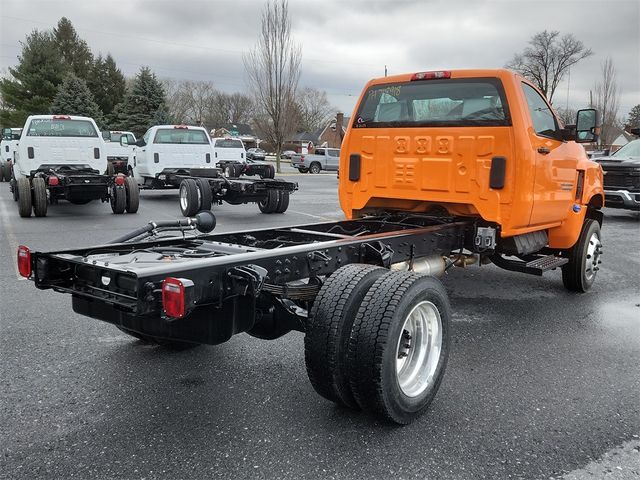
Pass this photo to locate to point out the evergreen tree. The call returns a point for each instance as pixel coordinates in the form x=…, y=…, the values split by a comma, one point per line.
x=143, y=105
x=75, y=98
x=634, y=117
x=34, y=81
x=107, y=83
x=75, y=51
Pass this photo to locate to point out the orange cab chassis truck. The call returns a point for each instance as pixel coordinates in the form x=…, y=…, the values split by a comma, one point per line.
x=440, y=169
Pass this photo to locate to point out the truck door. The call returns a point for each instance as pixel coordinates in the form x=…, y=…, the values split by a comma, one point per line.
x=555, y=166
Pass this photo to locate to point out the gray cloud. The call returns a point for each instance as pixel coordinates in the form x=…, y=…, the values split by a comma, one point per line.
x=344, y=43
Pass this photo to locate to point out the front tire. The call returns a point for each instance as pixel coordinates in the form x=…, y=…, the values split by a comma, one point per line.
x=39, y=197
x=584, y=259
x=399, y=346
x=23, y=187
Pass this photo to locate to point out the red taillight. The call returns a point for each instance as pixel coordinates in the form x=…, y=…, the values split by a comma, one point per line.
x=61, y=117
x=175, y=301
x=302, y=158
x=53, y=181
x=24, y=261
x=181, y=126
x=119, y=180
x=431, y=75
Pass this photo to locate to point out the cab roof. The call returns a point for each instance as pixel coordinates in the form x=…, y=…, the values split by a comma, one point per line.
x=462, y=73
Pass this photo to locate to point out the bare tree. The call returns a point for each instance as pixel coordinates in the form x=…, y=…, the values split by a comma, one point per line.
x=190, y=101
x=273, y=68
x=548, y=58
x=313, y=109
x=607, y=101
x=567, y=115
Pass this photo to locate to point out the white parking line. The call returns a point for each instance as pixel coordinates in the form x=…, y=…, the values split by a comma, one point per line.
x=11, y=238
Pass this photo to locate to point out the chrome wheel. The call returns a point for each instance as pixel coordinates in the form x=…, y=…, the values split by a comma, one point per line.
x=184, y=202
x=592, y=260
x=418, y=349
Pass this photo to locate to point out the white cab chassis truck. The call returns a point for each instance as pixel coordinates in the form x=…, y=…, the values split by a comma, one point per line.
x=63, y=157
x=8, y=146
x=182, y=157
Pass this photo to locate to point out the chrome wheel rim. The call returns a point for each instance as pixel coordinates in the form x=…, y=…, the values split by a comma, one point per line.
x=418, y=349
x=594, y=251
x=183, y=198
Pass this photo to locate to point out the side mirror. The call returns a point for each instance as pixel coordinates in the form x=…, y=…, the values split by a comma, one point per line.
x=124, y=141
x=106, y=135
x=587, y=126
x=140, y=142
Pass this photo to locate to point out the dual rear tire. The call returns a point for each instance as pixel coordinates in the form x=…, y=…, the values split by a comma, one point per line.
x=379, y=341
x=275, y=201
x=195, y=196
x=125, y=197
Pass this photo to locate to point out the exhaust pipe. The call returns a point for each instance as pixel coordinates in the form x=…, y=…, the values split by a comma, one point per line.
x=433, y=266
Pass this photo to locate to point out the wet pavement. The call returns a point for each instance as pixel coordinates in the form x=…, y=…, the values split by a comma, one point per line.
x=540, y=383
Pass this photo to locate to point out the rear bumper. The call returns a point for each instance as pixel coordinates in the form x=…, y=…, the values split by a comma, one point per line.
x=622, y=199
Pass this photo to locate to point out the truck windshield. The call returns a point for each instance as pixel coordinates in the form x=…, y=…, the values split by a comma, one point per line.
x=115, y=137
x=631, y=149
x=53, y=127
x=228, y=143
x=181, y=135
x=432, y=103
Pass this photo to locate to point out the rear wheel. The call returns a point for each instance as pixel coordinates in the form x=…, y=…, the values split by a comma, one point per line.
x=303, y=170
x=39, y=197
x=205, y=195
x=189, y=202
x=584, y=259
x=270, y=203
x=314, y=167
x=327, y=339
x=23, y=187
x=399, y=346
x=283, y=201
x=118, y=199
x=270, y=172
x=111, y=170
x=133, y=195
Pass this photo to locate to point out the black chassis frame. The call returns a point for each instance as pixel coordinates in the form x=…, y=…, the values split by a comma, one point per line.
x=250, y=168
x=261, y=282
x=76, y=184
x=234, y=191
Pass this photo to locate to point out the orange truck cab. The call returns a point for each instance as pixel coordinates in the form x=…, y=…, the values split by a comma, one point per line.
x=472, y=143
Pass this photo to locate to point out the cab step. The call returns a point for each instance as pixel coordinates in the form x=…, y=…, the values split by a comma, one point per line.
x=537, y=266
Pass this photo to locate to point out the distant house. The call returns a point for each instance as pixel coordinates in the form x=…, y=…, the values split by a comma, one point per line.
x=242, y=131
x=330, y=135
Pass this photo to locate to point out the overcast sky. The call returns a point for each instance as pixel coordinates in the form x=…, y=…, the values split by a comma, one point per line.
x=344, y=43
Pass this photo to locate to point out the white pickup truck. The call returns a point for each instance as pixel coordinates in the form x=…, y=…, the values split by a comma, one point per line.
x=182, y=157
x=120, y=148
x=165, y=151
x=63, y=157
x=8, y=146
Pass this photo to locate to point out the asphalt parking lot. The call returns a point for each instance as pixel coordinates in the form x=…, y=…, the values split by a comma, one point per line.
x=540, y=382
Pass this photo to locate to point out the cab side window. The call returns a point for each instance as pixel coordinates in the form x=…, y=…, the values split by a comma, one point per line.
x=542, y=117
